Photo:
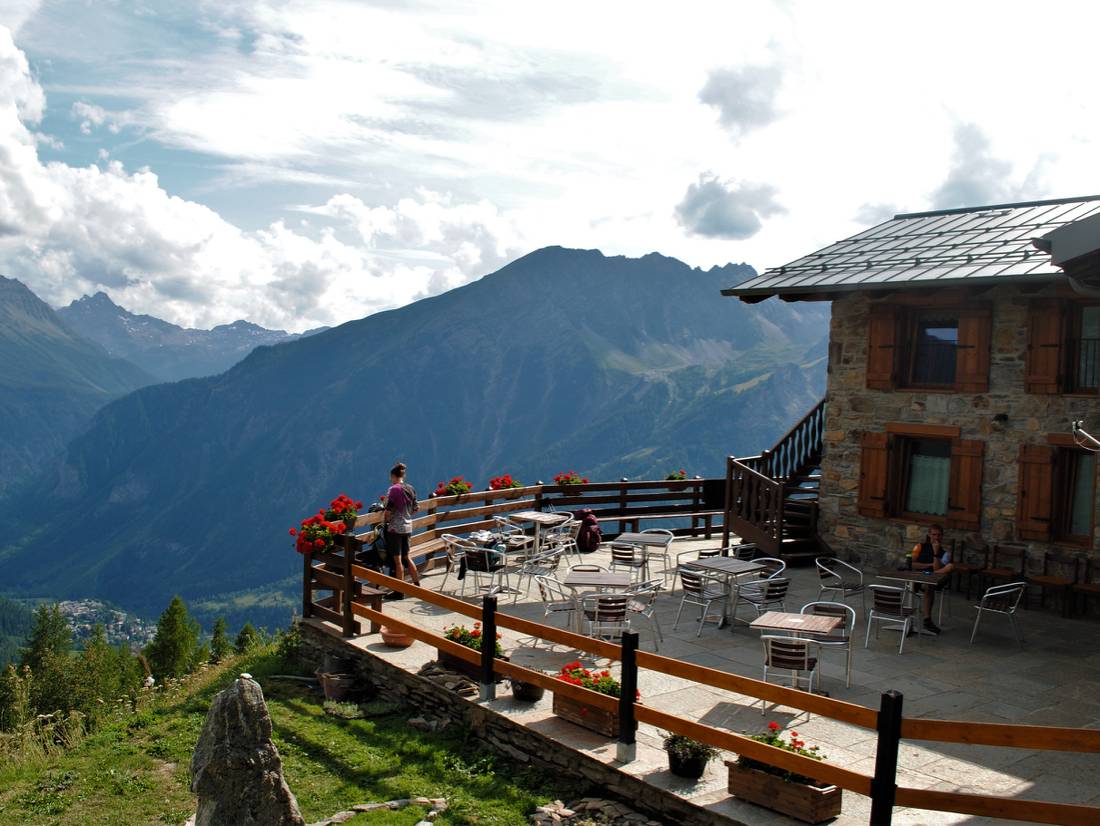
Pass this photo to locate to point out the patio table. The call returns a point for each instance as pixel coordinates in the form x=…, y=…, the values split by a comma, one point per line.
x=540, y=520
x=810, y=624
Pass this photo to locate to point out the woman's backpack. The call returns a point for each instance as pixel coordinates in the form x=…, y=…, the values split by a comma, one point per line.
x=589, y=536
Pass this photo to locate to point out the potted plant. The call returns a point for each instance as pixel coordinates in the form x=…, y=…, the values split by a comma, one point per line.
x=344, y=509
x=570, y=477
x=316, y=533
x=504, y=482
x=526, y=692
x=581, y=713
x=687, y=757
x=472, y=638
x=455, y=487
x=792, y=794
x=677, y=476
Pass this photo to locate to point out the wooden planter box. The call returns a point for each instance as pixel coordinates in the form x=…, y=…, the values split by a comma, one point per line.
x=586, y=716
x=810, y=804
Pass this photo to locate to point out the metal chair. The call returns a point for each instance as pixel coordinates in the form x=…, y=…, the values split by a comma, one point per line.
x=702, y=591
x=888, y=606
x=555, y=600
x=661, y=552
x=643, y=602
x=606, y=615
x=545, y=564
x=768, y=595
x=840, y=578
x=1001, y=599
x=635, y=559
x=455, y=548
x=682, y=558
x=791, y=654
x=841, y=638
x=747, y=551
x=492, y=562
x=511, y=535
x=563, y=536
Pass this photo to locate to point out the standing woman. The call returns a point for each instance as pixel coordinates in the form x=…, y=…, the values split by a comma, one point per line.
x=401, y=504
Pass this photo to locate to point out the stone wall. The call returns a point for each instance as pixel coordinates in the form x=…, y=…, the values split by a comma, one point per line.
x=852, y=409
x=506, y=736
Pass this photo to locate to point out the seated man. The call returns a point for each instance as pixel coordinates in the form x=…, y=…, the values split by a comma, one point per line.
x=931, y=555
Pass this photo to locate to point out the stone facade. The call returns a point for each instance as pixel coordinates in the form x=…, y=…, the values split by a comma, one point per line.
x=1004, y=418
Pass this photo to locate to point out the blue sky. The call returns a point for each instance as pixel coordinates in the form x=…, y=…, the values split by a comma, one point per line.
x=302, y=163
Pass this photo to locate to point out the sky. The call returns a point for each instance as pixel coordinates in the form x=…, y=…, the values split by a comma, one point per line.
x=299, y=164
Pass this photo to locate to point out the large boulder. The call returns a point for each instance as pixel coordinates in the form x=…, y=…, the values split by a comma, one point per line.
x=236, y=771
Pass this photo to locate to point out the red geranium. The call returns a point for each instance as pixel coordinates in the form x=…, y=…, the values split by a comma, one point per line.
x=504, y=482
x=316, y=532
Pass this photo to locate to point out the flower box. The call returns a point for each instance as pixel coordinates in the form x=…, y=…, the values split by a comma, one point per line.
x=586, y=716
x=810, y=804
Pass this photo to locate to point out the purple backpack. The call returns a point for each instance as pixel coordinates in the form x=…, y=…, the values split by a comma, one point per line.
x=589, y=536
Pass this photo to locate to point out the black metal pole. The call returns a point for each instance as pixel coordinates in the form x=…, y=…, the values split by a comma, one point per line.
x=884, y=784
x=628, y=683
x=488, y=645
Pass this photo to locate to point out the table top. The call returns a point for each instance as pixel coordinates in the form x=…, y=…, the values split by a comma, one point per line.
x=596, y=579
x=918, y=577
x=654, y=539
x=540, y=518
x=802, y=623
x=724, y=565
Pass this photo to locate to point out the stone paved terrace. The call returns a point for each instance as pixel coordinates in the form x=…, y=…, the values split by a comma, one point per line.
x=1053, y=680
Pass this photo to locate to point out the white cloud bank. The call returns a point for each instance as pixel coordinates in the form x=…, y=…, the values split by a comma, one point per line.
x=68, y=230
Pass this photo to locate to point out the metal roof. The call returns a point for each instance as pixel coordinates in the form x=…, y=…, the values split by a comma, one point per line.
x=929, y=249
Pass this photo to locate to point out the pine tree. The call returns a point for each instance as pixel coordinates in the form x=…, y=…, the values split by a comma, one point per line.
x=51, y=636
x=247, y=639
x=172, y=651
x=220, y=647
x=96, y=680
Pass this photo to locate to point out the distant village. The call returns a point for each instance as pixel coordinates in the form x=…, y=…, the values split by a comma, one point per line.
x=84, y=614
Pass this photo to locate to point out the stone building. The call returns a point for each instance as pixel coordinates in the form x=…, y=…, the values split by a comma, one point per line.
x=963, y=345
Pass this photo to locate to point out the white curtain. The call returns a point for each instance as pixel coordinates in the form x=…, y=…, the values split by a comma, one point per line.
x=928, y=480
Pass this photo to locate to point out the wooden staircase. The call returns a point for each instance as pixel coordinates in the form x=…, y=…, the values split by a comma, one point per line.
x=771, y=499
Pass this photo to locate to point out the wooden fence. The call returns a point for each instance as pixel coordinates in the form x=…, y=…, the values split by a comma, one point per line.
x=353, y=597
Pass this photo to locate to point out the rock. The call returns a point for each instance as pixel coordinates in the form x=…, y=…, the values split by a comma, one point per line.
x=236, y=771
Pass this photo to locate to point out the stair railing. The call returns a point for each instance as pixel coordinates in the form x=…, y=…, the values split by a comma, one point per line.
x=798, y=448
x=755, y=501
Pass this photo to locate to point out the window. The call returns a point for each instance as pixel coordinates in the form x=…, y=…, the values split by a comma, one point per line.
x=922, y=473
x=1056, y=499
x=1063, y=351
x=935, y=348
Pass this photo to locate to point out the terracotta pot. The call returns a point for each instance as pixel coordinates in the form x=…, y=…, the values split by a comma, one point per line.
x=586, y=716
x=394, y=638
x=690, y=767
x=338, y=687
x=527, y=692
x=810, y=804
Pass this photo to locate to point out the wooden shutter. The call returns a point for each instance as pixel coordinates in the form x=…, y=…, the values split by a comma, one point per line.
x=972, y=354
x=873, y=464
x=1045, y=338
x=964, y=493
x=882, y=340
x=1035, y=493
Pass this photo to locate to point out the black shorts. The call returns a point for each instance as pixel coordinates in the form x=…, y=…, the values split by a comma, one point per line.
x=397, y=543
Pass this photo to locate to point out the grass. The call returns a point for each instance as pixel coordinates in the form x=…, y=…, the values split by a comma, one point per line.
x=135, y=768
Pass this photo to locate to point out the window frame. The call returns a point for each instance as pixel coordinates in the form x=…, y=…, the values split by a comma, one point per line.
x=1061, y=497
x=910, y=347
x=1072, y=357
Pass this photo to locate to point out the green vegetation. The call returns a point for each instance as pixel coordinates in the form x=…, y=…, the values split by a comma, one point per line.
x=174, y=650
x=134, y=769
x=16, y=621
x=247, y=639
x=219, y=642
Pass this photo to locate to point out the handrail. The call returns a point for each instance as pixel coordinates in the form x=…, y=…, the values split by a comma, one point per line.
x=1051, y=738
x=1007, y=808
x=803, y=437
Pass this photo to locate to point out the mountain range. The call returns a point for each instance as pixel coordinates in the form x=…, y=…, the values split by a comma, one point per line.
x=165, y=350
x=564, y=359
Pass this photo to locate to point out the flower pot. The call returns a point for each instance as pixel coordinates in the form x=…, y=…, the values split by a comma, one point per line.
x=394, y=638
x=338, y=687
x=691, y=767
x=527, y=692
x=586, y=716
x=810, y=804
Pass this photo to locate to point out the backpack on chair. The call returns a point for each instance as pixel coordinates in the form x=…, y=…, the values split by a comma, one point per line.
x=589, y=536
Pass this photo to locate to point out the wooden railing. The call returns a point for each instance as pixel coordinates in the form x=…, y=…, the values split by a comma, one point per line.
x=754, y=506
x=799, y=447
x=890, y=726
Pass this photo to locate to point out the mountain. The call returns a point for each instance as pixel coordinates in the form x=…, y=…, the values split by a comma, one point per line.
x=562, y=359
x=166, y=350
x=51, y=382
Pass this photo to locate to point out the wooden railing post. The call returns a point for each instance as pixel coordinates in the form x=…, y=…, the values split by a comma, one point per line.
x=727, y=518
x=307, y=584
x=626, y=748
x=884, y=784
x=351, y=624
x=488, y=690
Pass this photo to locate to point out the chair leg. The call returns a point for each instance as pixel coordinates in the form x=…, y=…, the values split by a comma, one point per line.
x=677, y=622
x=1016, y=630
x=904, y=634
x=848, y=674
x=867, y=636
x=974, y=632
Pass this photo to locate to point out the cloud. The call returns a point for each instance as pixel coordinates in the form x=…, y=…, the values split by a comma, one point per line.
x=68, y=230
x=92, y=117
x=744, y=97
x=716, y=209
x=977, y=177
x=875, y=213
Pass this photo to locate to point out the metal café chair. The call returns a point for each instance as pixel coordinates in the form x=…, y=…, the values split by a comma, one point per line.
x=643, y=602
x=631, y=557
x=701, y=591
x=490, y=562
x=888, y=606
x=456, y=548
x=555, y=600
x=687, y=557
x=514, y=539
x=793, y=654
x=564, y=536
x=841, y=638
x=661, y=552
x=545, y=564
x=840, y=578
x=1000, y=599
x=764, y=596
x=746, y=551
x=607, y=615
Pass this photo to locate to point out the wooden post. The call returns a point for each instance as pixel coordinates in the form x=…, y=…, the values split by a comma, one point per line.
x=351, y=624
x=626, y=748
x=622, y=504
x=488, y=689
x=884, y=784
x=307, y=585
x=727, y=517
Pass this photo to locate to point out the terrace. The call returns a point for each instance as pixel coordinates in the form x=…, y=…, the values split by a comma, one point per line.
x=990, y=732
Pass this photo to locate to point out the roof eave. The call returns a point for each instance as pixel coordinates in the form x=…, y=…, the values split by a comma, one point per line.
x=757, y=294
